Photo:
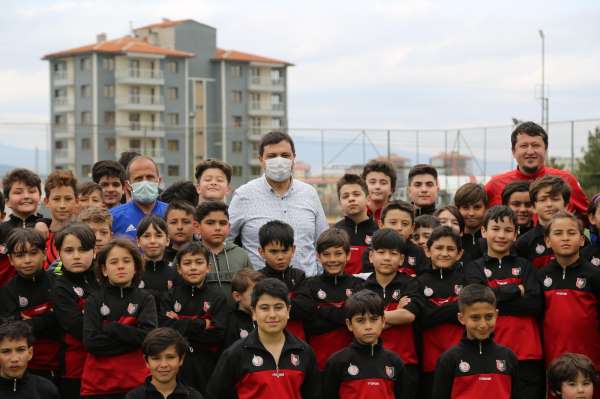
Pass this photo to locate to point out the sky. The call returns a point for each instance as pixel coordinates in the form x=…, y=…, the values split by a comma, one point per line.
x=358, y=64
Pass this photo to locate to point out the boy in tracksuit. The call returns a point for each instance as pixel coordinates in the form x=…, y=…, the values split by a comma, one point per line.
x=277, y=248
x=515, y=195
x=179, y=217
x=518, y=295
x=440, y=285
x=591, y=252
x=199, y=312
x=402, y=302
x=471, y=200
x=477, y=367
x=571, y=288
x=320, y=301
x=364, y=370
x=249, y=369
x=352, y=193
x=28, y=297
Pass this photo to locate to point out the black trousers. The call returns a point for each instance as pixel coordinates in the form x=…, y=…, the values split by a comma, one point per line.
x=531, y=380
x=426, y=385
x=70, y=388
x=411, y=382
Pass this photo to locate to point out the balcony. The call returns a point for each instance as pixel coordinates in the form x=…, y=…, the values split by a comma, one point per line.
x=266, y=83
x=141, y=131
x=135, y=76
x=62, y=78
x=141, y=103
x=63, y=104
x=64, y=156
x=257, y=108
x=63, y=131
x=256, y=133
x=253, y=158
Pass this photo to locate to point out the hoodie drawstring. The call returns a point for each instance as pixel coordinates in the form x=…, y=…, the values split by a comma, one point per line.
x=216, y=265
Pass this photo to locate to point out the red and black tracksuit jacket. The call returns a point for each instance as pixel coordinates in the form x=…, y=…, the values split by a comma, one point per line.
x=71, y=291
x=399, y=339
x=193, y=306
x=475, y=369
x=29, y=386
x=472, y=246
x=571, y=322
x=158, y=278
x=426, y=210
x=415, y=261
x=360, y=240
x=363, y=372
x=115, y=322
x=532, y=247
x=517, y=324
x=31, y=297
x=248, y=371
x=440, y=327
x=293, y=278
x=591, y=253
x=7, y=271
x=320, y=304
x=239, y=325
x=149, y=391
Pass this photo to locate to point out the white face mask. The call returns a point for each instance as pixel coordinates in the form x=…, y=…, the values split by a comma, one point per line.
x=278, y=169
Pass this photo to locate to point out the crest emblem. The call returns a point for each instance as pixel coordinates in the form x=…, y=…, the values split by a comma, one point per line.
x=257, y=361
x=487, y=272
x=396, y=295
x=412, y=260
x=539, y=249
x=501, y=365
x=321, y=294
x=132, y=308
x=23, y=302
x=206, y=306
x=78, y=291
x=348, y=292
x=177, y=307
x=353, y=369
x=595, y=261
x=104, y=310
x=457, y=289
x=243, y=333
x=368, y=240
x=464, y=366
x=295, y=359
x=428, y=291
x=142, y=284
x=516, y=271
x=169, y=284
x=580, y=282
x=547, y=282
x=389, y=371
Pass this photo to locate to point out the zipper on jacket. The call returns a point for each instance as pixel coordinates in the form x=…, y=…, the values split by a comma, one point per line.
x=193, y=289
x=564, y=273
x=372, y=350
x=335, y=282
x=480, y=348
x=441, y=274
x=121, y=288
x=355, y=228
x=15, y=385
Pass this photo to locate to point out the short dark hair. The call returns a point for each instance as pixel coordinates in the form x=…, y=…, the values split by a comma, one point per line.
x=455, y=212
x=192, y=248
x=474, y=293
x=151, y=220
x=333, y=237
x=127, y=245
x=126, y=157
x=470, y=194
x=556, y=184
x=22, y=175
x=214, y=164
x=88, y=187
x=567, y=367
x=363, y=302
x=270, y=286
x=107, y=168
x=531, y=129
x=15, y=330
x=160, y=339
x=422, y=169
x=351, y=178
x=276, y=231
x=180, y=191
x=593, y=204
x=426, y=221
x=388, y=239
x=385, y=167
x=562, y=215
x=444, y=231
x=207, y=207
x=180, y=205
x=60, y=178
x=2, y=203
x=399, y=205
x=274, y=138
x=79, y=230
x=243, y=278
x=19, y=238
x=514, y=187
x=497, y=213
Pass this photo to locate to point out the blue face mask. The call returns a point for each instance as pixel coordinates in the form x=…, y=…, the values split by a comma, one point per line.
x=144, y=192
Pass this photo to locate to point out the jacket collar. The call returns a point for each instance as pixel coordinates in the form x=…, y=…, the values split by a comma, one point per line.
x=291, y=342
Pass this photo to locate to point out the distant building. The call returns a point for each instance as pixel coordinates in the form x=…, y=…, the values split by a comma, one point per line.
x=168, y=92
x=453, y=164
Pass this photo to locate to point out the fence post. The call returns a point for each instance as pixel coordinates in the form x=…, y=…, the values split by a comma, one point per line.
x=389, y=149
x=364, y=148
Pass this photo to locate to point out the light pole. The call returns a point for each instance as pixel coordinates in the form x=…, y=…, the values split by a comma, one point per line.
x=544, y=100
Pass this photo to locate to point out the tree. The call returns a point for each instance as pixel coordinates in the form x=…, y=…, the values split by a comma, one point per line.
x=588, y=170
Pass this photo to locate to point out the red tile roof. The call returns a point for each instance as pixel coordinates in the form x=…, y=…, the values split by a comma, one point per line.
x=233, y=55
x=126, y=44
x=166, y=23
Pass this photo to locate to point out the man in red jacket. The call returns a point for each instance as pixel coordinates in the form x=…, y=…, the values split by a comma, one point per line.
x=529, y=148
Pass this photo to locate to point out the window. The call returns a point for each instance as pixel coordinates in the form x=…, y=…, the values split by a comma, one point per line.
x=85, y=64
x=134, y=94
x=86, y=170
x=172, y=119
x=135, y=145
x=237, y=121
x=276, y=123
x=109, y=90
x=276, y=76
x=110, y=144
x=108, y=64
x=134, y=121
x=236, y=71
x=86, y=144
x=60, y=120
x=173, y=170
x=60, y=93
x=255, y=170
x=276, y=102
x=236, y=170
x=60, y=145
x=236, y=96
x=86, y=118
x=173, y=66
x=255, y=72
x=173, y=93
x=86, y=91
x=109, y=119
x=236, y=146
x=173, y=145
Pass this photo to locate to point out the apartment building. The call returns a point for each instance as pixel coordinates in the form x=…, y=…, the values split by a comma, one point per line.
x=166, y=91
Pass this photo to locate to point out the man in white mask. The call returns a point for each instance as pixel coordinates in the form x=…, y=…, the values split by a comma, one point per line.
x=143, y=178
x=278, y=196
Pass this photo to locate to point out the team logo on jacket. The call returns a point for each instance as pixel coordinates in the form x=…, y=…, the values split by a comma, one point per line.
x=23, y=302
x=132, y=308
x=457, y=289
x=539, y=249
x=78, y=291
x=580, y=282
x=501, y=365
x=547, y=282
x=428, y=291
x=368, y=240
x=412, y=260
x=257, y=361
x=321, y=294
x=396, y=295
x=353, y=369
x=487, y=272
x=389, y=371
x=243, y=333
x=348, y=292
x=142, y=284
x=464, y=366
x=177, y=307
x=206, y=306
x=295, y=359
x=104, y=310
x=516, y=271
x=595, y=261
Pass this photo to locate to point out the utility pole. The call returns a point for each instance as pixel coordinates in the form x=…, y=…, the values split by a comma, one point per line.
x=543, y=93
